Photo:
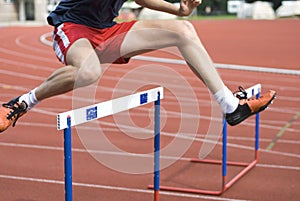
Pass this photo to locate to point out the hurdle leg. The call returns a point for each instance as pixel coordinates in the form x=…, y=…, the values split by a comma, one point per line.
x=224, y=155
x=68, y=161
x=257, y=122
x=157, y=149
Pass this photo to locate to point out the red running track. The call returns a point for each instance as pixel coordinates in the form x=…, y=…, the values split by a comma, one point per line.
x=31, y=154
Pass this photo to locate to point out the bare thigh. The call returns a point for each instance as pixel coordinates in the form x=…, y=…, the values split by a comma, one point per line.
x=156, y=34
x=81, y=53
x=151, y=35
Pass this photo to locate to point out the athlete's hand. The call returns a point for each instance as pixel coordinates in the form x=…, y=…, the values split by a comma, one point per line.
x=187, y=6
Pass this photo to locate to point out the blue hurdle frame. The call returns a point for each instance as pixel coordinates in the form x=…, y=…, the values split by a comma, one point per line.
x=156, y=179
x=225, y=184
x=68, y=154
x=68, y=161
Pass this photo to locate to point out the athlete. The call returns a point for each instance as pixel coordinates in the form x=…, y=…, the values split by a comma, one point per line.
x=86, y=36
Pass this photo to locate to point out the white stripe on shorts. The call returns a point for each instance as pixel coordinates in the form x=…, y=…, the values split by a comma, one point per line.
x=65, y=41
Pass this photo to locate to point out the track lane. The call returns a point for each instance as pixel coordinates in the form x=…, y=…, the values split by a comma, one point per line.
x=277, y=117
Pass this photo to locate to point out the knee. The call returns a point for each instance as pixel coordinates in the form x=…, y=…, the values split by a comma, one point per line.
x=88, y=75
x=186, y=31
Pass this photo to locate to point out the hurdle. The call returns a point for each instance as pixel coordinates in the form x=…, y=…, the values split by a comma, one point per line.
x=252, y=91
x=66, y=120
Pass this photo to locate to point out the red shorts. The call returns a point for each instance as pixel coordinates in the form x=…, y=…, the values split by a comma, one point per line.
x=107, y=42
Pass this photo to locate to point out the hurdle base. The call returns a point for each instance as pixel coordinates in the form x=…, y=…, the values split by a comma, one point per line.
x=225, y=184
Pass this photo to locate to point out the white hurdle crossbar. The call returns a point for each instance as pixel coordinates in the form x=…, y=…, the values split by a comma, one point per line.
x=71, y=118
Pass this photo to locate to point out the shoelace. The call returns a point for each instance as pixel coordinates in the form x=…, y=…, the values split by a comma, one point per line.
x=16, y=108
x=241, y=93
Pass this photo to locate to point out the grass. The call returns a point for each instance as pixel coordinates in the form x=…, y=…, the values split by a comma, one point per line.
x=213, y=17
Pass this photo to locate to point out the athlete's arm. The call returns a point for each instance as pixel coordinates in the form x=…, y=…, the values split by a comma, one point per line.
x=186, y=6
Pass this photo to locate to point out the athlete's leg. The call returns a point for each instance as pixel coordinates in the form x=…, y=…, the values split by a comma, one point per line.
x=149, y=35
x=83, y=69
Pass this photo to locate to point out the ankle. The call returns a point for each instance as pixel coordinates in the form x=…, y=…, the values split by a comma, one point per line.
x=29, y=99
x=227, y=101
x=23, y=105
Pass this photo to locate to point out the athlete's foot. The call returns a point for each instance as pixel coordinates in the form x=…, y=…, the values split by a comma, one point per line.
x=248, y=107
x=10, y=112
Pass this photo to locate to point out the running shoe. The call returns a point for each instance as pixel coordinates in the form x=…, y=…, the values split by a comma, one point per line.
x=10, y=112
x=248, y=107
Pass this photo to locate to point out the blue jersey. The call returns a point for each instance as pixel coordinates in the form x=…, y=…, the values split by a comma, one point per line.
x=93, y=13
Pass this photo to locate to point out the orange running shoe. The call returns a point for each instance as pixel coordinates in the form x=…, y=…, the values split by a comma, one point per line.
x=10, y=112
x=248, y=107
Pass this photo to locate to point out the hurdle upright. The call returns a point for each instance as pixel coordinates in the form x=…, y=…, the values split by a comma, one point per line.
x=66, y=120
x=252, y=91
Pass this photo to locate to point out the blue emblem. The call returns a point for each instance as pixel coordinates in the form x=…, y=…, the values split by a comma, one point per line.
x=143, y=98
x=91, y=113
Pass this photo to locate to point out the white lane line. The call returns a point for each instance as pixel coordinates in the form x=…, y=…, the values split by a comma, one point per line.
x=177, y=114
x=284, y=167
x=25, y=55
x=196, y=89
x=115, y=188
x=12, y=63
x=44, y=40
x=78, y=150
x=19, y=42
x=186, y=136
x=119, y=69
x=189, y=115
x=23, y=75
x=223, y=66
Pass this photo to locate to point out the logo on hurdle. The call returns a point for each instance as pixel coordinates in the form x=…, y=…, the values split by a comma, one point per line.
x=143, y=98
x=91, y=113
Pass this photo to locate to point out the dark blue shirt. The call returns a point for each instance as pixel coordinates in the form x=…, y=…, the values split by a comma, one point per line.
x=93, y=13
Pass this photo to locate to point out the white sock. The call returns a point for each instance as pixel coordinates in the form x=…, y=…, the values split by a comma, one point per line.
x=30, y=99
x=226, y=100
